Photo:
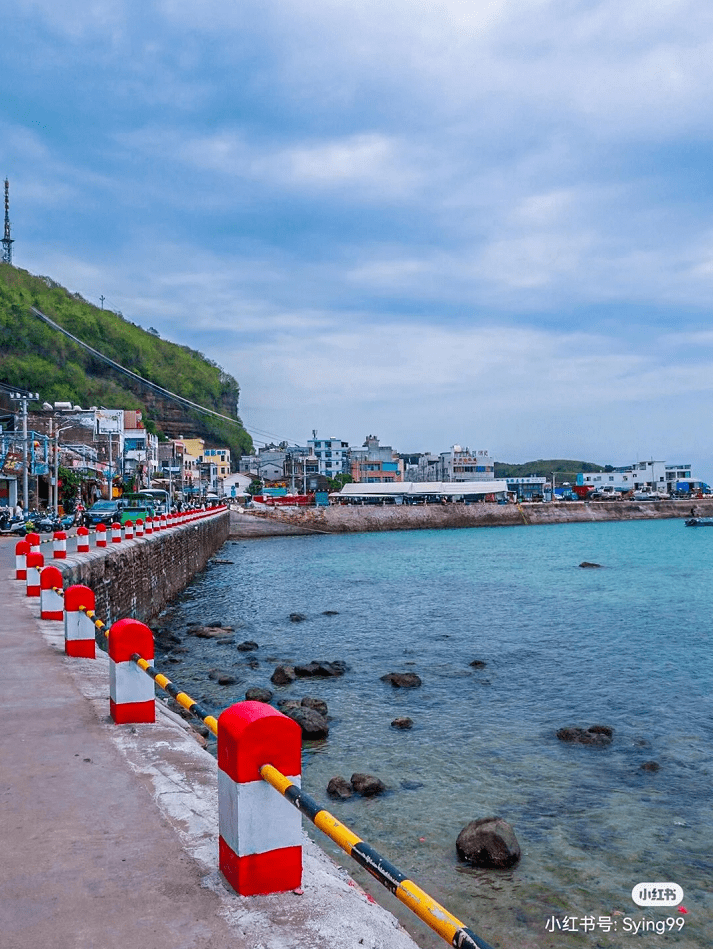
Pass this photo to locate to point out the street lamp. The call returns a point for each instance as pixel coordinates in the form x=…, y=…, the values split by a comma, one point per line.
x=24, y=398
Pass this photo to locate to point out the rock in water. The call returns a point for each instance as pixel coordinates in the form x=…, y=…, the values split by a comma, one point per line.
x=247, y=646
x=319, y=705
x=402, y=680
x=367, y=785
x=283, y=675
x=256, y=694
x=402, y=723
x=586, y=563
x=488, y=842
x=339, y=787
x=313, y=724
x=594, y=735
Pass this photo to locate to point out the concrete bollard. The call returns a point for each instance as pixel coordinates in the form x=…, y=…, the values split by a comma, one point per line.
x=131, y=691
x=260, y=847
x=101, y=535
x=148, y=526
x=34, y=541
x=116, y=533
x=22, y=549
x=139, y=527
x=59, y=545
x=129, y=530
x=35, y=562
x=51, y=602
x=82, y=540
x=78, y=628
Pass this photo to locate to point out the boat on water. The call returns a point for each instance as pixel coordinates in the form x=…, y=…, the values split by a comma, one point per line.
x=699, y=522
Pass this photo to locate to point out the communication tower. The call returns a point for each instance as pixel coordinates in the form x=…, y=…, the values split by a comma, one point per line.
x=7, y=241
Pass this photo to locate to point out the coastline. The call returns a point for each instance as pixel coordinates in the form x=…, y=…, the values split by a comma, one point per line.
x=345, y=519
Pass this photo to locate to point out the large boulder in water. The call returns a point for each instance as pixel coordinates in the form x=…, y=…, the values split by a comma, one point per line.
x=402, y=680
x=313, y=724
x=488, y=842
x=283, y=675
x=367, y=785
x=339, y=787
x=321, y=669
x=594, y=735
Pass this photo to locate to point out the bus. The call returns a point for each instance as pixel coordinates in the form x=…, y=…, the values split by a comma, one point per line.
x=160, y=498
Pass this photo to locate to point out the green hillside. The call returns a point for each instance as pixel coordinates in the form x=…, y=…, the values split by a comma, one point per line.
x=36, y=357
x=564, y=469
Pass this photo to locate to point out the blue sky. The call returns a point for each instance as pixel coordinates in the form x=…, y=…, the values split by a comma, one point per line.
x=488, y=223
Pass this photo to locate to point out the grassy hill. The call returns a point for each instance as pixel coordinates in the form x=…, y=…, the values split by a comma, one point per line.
x=34, y=356
x=564, y=469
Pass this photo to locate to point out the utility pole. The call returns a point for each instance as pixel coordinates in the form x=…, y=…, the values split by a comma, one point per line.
x=102, y=298
x=24, y=398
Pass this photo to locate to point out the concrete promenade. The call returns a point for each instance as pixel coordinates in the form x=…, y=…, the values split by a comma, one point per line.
x=108, y=834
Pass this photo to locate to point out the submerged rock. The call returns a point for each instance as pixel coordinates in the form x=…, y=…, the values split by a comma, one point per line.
x=402, y=680
x=256, y=694
x=319, y=705
x=297, y=617
x=247, y=646
x=210, y=632
x=339, y=787
x=313, y=724
x=594, y=735
x=650, y=766
x=478, y=664
x=402, y=723
x=488, y=842
x=586, y=563
x=283, y=675
x=321, y=669
x=367, y=784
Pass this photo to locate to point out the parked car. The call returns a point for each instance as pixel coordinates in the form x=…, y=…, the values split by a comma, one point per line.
x=102, y=512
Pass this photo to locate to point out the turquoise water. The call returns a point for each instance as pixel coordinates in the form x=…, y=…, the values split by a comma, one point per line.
x=628, y=645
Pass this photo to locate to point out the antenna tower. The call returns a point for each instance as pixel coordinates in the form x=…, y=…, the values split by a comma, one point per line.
x=7, y=241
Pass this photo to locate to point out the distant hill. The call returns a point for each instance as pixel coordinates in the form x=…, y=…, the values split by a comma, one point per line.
x=564, y=469
x=37, y=357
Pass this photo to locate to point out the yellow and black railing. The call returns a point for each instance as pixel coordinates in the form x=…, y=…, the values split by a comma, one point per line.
x=425, y=907
x=182, y=698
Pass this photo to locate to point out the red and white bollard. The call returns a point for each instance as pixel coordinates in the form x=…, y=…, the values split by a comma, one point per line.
x=51, y=602
x=101, y=535
x=78, y=628
x=59, y=544
x=131, y=691
x=148, y=526
x=22, y=549
x=129, y=530
x=34, y=541
x=82, y=540
x=164, y=522
x=139, y=527
x=116, y=533
x=35, y=562
x=260, y=848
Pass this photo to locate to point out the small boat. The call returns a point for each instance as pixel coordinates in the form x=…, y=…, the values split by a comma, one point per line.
x=699, y=522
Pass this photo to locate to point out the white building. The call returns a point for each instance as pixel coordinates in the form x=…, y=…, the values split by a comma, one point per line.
x=462, y=464
x=332, y=455
x=656, y=477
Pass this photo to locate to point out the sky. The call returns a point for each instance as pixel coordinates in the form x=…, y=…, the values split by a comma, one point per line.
x=483, y=222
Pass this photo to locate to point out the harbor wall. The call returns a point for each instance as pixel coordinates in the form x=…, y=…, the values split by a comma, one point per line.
x=339, y=519
x=137, y=578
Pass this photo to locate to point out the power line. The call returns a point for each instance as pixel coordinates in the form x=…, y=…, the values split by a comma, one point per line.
x=152, y=385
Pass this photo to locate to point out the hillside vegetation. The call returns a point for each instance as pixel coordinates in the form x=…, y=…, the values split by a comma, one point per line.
x=564, y=469
x=37, y=357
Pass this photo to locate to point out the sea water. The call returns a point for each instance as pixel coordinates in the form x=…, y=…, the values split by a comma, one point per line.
x=627, y=645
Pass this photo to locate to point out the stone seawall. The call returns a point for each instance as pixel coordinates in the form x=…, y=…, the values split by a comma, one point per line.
x=137, y=578
x=338, y=519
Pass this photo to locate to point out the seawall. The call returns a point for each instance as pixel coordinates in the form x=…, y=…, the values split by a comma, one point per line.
x=340, y=519
x=137, y=578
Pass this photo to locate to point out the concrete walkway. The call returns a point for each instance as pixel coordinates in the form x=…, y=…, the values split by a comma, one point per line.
x=108, y=834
